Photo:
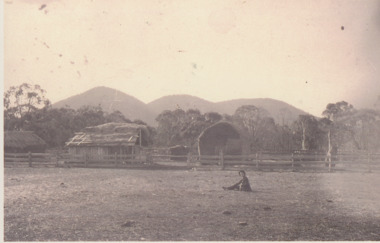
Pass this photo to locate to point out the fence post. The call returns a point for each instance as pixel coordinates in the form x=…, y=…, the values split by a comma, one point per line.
x=368, y=161
x=56, y=158
x=221, y=158
x=115, y=159
x=260, y=157
x=188, y=158
x=30, y=158
x=199, y=160
x=329, y=158
x=149, y=158
x=257, y=160
x=292, y=160
x=85, y=159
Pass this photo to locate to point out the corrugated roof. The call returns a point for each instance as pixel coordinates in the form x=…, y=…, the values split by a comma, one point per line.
x=110, y=134
x=22, y=139
x=112, y=139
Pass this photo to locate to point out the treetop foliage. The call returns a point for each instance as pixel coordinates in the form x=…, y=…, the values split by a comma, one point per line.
x=23, y=99
x=342, y=126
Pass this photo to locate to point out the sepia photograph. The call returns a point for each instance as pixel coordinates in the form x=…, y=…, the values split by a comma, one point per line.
x=201, y=120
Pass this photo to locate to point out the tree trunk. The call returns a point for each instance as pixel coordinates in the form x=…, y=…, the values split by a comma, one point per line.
x=329, y=149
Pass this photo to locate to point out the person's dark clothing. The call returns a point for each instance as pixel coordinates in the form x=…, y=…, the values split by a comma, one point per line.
x=242, y=185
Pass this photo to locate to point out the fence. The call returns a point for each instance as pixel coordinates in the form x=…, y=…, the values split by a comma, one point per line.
x=259, y=161
x=296, y=161
x=30, y=159
x=110, y=160
x=71, y=160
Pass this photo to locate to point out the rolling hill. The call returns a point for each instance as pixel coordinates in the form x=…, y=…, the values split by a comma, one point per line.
x=132, y=108
x=110, y=100
x=185, y=102
x=282, y=112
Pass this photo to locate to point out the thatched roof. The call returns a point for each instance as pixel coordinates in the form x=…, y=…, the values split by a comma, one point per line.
x=110, y=134
x=22, y=140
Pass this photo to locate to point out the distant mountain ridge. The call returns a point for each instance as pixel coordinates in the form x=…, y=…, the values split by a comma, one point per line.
x=132, y=108
x=184, y=102
x=110, y=100
x=282, y=112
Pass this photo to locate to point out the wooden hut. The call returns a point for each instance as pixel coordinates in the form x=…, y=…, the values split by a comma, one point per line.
x=109, y=139
x=220, y=136
x=23, y=142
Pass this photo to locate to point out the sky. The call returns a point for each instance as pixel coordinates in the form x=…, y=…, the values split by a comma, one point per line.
x=305, y=53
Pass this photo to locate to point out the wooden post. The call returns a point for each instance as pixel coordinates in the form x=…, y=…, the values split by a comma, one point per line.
x=121, y=155
x=221, y=157
x=368, y=161
x=148, y=158
x=292, y=160
x=30, y=158
x=329, y=158
x=188, y=158
x=56, y=158
x=260, y=157
x=257, y=160
x=85, y=159
x=115, y=159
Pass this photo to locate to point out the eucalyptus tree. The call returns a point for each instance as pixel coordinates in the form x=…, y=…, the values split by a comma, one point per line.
x=20, y=101
x=337, y=124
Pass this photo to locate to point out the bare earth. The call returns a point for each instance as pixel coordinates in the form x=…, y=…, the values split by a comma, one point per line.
x=61, y=204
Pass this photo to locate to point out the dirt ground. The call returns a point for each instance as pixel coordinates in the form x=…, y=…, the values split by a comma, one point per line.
x=81, y=204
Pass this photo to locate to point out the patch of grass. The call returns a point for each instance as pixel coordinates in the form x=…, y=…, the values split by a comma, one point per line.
x=78, y=204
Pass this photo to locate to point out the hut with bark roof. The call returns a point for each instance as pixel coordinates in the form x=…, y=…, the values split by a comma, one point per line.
x=220, y=136
x=23, y=142
x=109, y=139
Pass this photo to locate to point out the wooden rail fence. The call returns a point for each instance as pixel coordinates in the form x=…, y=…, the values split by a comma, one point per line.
x=29, y=159
x=260, y=161
x=283, y=161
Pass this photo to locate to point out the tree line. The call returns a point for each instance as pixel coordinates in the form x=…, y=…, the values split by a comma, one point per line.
x=341, y=126
x=26, y=108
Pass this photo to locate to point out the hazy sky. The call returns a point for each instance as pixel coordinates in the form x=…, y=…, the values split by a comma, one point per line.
x=306, y=53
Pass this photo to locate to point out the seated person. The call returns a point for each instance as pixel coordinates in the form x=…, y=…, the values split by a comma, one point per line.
x=242, y=185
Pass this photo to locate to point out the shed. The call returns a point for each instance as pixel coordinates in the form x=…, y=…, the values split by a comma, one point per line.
x=220, y=136
x=109, y=138
x=23, y=142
